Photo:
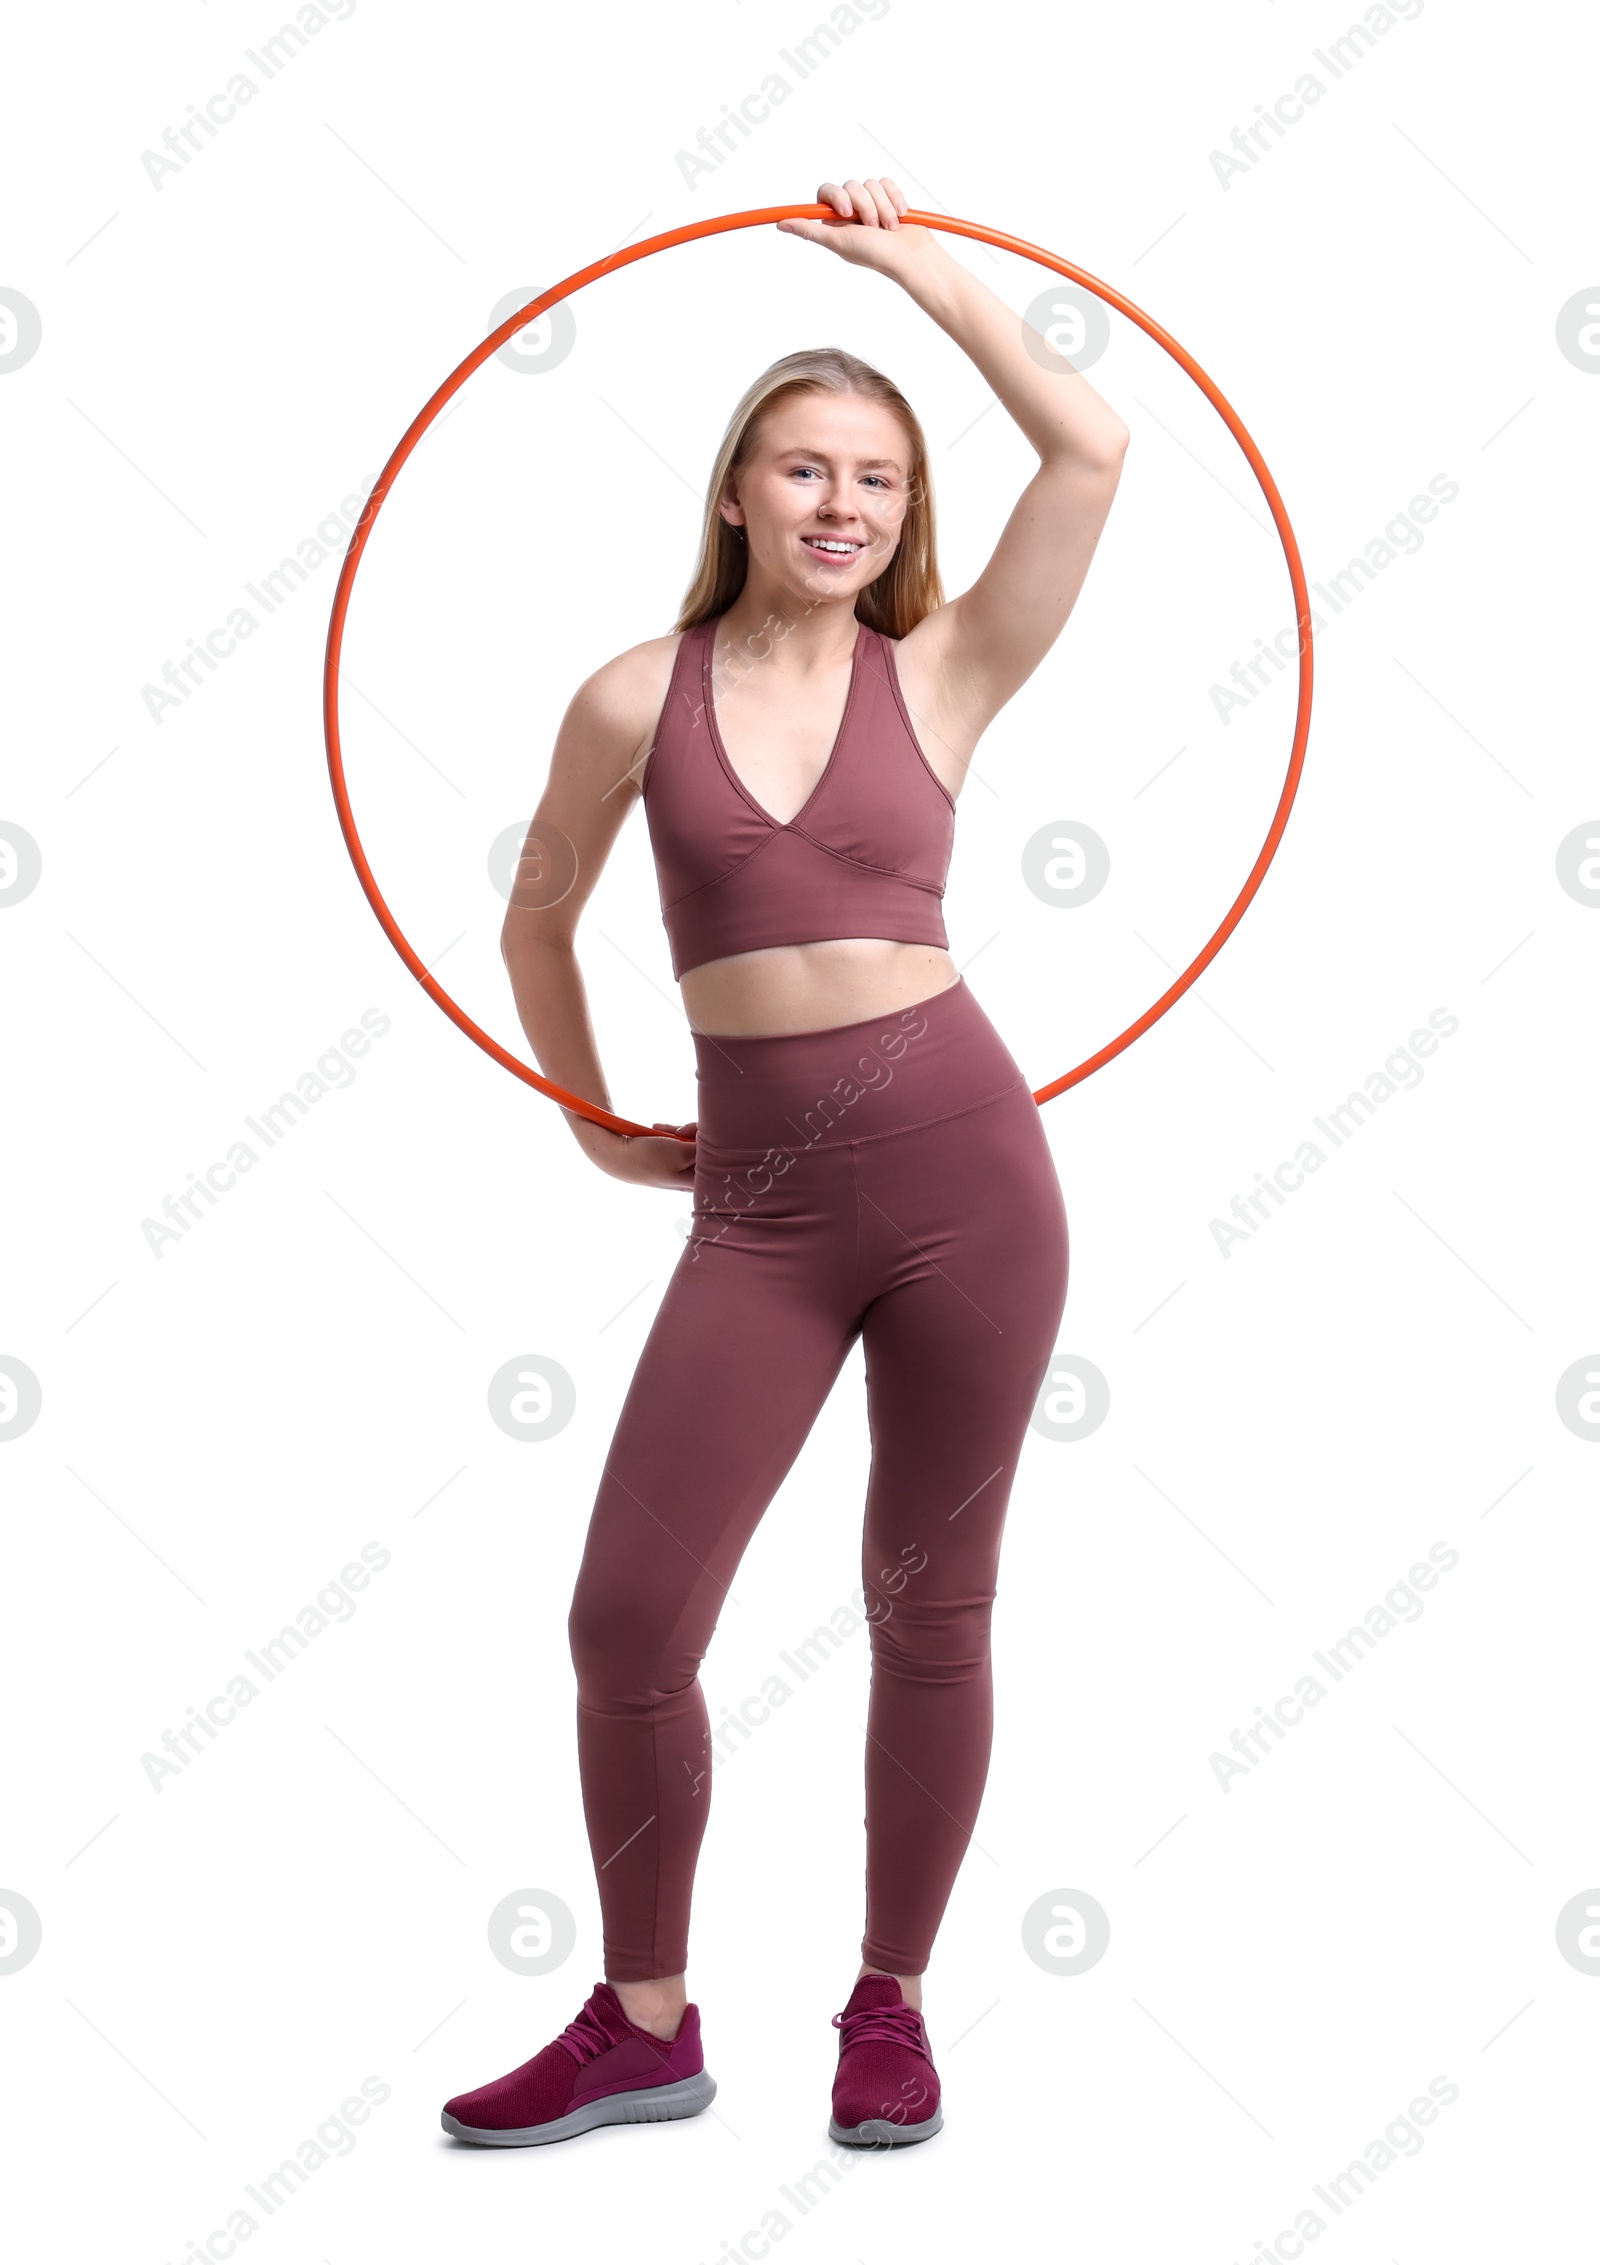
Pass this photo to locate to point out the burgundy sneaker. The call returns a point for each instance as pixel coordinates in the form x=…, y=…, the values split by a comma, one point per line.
x=886, y=2090
x=601, y=2069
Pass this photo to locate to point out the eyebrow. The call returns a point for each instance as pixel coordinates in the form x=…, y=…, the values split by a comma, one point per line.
x=863, y=463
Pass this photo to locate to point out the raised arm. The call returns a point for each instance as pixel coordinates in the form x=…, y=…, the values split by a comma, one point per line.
x=986, y=643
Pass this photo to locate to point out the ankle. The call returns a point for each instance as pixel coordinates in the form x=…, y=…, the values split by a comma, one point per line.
x=910, y=1984
x=656, y=2005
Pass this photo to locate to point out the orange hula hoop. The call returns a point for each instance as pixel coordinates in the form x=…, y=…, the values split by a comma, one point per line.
x=718, y=226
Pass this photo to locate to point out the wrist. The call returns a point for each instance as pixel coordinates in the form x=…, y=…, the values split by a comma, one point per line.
x=935, y=277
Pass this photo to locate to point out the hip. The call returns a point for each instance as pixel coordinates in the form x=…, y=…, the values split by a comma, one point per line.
x=875, y=1153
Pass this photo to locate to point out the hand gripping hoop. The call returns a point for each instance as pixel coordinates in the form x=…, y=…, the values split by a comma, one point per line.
x=569, y=289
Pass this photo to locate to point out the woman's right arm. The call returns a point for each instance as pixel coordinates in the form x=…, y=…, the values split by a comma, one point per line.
x=599, y=751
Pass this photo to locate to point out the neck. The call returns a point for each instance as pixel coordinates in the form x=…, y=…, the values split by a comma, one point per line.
x=768, y=621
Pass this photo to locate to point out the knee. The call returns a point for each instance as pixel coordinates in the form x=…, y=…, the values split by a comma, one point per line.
x=597, y=1640
x=619, y=1636
x=938, y=1640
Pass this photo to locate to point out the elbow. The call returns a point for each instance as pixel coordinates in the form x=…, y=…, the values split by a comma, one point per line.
x=519, y=935
x=1098, y=454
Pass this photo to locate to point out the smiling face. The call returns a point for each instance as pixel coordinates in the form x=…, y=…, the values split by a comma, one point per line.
x=822, y=496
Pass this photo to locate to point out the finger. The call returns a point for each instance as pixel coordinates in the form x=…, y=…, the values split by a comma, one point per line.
x=901, y=204
x=879, y=190
x=866, y=210
x=831, y=193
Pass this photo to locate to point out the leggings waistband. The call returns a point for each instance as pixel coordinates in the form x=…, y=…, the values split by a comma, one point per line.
x=853, y=1081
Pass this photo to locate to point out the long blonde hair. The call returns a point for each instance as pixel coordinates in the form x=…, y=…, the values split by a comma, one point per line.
x=909, y=588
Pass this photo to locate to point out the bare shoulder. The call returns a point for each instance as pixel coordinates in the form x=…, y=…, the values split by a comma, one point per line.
x=595, y=769
x=618, y=706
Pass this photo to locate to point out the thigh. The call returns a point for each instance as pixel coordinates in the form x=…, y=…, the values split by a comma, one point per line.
x=969, y=1244
x=748, y=1339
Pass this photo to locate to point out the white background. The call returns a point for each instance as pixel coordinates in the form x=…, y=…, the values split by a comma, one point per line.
x=1292, y=1425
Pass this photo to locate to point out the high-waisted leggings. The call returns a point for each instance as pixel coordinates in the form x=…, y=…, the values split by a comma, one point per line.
x=887, y=1179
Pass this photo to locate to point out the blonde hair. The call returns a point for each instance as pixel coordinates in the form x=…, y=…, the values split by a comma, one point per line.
x=909, y=588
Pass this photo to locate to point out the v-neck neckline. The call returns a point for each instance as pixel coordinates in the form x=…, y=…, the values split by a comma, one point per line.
x=707, y=666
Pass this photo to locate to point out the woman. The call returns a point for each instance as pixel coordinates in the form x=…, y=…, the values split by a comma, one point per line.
x=868, y=1160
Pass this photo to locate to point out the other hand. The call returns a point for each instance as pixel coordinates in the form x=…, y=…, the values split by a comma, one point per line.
x=641, y=1159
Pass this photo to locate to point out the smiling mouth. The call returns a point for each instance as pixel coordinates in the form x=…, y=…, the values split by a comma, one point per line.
x=828, y=546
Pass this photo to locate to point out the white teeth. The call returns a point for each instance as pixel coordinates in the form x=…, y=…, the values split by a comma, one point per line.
x=819, y=543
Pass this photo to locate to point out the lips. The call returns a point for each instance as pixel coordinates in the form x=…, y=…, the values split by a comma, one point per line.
x=816, y=542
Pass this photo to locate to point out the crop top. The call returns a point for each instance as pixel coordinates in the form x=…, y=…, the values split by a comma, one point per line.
x=865, y=855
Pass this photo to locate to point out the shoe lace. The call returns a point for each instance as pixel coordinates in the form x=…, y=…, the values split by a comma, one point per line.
x=586, y=2036
x=893, y=2024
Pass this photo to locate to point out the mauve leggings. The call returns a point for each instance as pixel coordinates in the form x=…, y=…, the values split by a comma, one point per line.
x=887, y=1179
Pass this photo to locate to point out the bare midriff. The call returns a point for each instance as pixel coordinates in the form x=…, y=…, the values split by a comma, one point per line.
x=790, y=987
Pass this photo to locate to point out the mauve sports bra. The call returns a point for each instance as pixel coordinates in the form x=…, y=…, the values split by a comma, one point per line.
x=866, y=855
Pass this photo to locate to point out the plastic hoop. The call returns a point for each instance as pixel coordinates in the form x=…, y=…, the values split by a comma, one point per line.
x=568, y=289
